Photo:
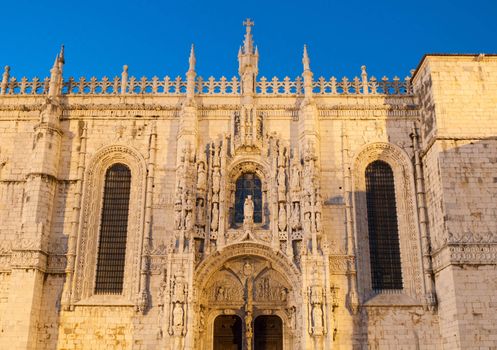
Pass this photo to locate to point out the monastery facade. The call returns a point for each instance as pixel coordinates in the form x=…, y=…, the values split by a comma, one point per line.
x=250, y=213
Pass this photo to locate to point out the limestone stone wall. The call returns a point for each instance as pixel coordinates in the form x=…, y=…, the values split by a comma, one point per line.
x=458, y=95
x=453, y=107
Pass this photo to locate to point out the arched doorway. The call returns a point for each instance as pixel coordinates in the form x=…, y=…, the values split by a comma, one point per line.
x=268, y=333
x=228, y=333
x=250, y=282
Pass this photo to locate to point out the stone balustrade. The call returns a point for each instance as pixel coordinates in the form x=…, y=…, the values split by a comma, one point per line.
x=211, y=86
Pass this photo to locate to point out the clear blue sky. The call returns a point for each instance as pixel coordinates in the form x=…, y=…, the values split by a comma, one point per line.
x=153, y=36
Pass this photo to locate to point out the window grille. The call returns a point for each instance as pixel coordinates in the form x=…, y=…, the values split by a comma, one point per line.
x=248, y=184
x=113, y=231
x=386, y=272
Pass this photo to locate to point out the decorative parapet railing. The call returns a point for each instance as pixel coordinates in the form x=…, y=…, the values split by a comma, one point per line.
x=211, y=86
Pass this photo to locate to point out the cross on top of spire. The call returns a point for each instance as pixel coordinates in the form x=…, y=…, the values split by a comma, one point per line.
x=248, y=23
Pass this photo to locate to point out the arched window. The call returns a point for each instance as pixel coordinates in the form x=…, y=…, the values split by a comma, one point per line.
x=248, y=184
x=113, y=230
x=384, y=250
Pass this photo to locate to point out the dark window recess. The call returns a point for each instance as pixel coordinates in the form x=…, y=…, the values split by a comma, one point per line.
x=384, y=251
x=248, y=184
x=113, y=231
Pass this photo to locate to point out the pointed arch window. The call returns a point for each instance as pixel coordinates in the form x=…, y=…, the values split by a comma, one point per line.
x=384, y=249
x=248, y=184
x=113, y=230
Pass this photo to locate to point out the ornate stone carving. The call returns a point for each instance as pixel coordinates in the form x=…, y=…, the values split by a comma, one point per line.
x=89, y=231
x=406, y=213
x=248, y=213
x=317, y=327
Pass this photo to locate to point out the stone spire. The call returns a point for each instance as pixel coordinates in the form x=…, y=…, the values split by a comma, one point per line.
x=248, y=58
x=248, y=43
x=192, y=60
x=307, y=75
x=305, y=60
x=55, y=87
x=190, y=76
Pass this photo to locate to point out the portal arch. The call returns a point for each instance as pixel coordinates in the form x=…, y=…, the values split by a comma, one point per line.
x=247, y=280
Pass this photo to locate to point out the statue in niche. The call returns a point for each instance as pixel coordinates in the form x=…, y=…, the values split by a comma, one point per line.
x=295, y=220
x=200, y=212
x=247, y=82
x=216, y=181
x=316, y=299
x=188, y=221
x=220, y=293
x=281, y=184
x=282, y=218
x=307, y=223
x=177, y=216
x=215, y=217
x=317, y=319
x=216, y=160
x=178, y=290
x=178, y=318
x=318, y=222
x=292, y=321
x=308, y=179
x=201, y=177
x=248, y=211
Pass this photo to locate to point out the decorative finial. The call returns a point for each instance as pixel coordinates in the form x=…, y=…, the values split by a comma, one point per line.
x=248, y=23
x=363, y=70
x=5, y=80
x=125, y=68
x=248, y=42
x=192, y=59
x=305, y=60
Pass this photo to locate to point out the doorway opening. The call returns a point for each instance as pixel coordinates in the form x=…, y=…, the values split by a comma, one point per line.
x=268, y=333
x=228, y=333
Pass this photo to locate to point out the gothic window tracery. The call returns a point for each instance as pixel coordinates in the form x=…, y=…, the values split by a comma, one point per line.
x=113, y=230
x=248, y=184
x=384, y=248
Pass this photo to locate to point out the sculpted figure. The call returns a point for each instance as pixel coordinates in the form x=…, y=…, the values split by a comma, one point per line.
x=308, y=179
x=317, y=319
x=188, y=220
x=178, y=318
x=281, y=184
x=295, y=180
x=201, y=178
x=200, y=212
x=248, y=210
x=220, y=294
x=247, y=82
x=282, y=218
x=295, y=217
x=215, y=217
x=177, y=217
x=216, y=181
x=318, y=222
x=307, y=223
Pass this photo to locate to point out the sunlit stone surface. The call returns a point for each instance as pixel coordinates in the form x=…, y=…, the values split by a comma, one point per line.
x=277, y=260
